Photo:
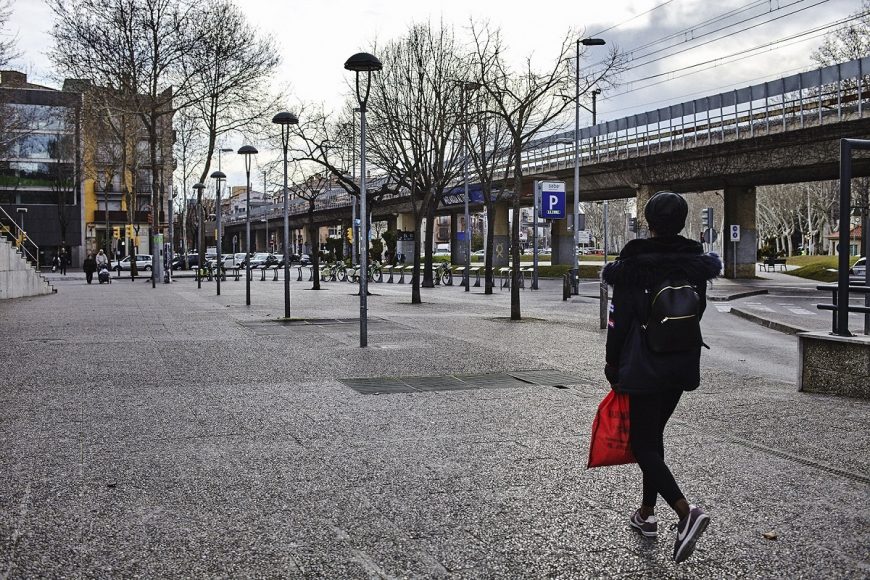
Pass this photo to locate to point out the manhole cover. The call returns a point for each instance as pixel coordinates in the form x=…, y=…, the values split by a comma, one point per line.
x=388, y=385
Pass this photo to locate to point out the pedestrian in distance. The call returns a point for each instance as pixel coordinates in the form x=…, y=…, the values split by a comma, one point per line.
x=62, y=263
x=55, y=263
x=102, y=260
x=654, y=349
x=89, y=267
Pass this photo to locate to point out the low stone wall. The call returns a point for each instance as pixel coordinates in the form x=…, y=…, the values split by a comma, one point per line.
x=836, y=365
x=17, y=277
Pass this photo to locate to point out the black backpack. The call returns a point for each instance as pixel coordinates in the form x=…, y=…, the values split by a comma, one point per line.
x=674, y=321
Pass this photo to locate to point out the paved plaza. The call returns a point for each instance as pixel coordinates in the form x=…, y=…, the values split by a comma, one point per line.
x=173, y=433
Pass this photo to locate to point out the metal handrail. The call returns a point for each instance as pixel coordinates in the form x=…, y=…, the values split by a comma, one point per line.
x=835, y=308
x=20, y=238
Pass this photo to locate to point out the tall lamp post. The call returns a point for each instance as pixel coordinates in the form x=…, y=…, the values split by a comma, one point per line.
x=466, y=86
x=200, y=237
x=222, y=150
x=584, y=42
x=284, y=120
x=247, y=151
x=363, y=62
x=219, y=178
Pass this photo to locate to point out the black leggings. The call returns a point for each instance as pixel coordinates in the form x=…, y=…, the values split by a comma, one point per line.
x=649, y=414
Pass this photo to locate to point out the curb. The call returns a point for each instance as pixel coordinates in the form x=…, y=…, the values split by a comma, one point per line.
x=736, y=295
x=767, y=323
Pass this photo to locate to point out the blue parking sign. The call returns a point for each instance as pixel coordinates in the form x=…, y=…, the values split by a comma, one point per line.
x=552, y=201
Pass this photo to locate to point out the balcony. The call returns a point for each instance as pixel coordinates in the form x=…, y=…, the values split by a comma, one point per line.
x=120, y=217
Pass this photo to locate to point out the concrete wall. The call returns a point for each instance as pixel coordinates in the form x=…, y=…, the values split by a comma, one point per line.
x=834, y=365
x=17, y=277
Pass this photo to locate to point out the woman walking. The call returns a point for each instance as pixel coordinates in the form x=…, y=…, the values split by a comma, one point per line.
x=674, y=270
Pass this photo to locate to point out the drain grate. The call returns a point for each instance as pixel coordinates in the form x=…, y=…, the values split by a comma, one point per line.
x=389, y=385
x=280, y=326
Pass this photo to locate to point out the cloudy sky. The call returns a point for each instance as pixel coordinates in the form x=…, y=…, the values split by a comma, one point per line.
x=742, y=41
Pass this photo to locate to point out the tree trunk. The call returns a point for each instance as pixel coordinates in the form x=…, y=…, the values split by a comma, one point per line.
x=315, y=247
x=490, y=236
x=415, y=273
x=428, y=279
x=515, y=251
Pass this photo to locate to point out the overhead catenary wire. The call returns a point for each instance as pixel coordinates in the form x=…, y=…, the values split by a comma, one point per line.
x=712, y=40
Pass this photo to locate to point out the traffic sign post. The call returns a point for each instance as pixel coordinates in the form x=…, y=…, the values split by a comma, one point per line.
x=734, y=231
x=549, y=204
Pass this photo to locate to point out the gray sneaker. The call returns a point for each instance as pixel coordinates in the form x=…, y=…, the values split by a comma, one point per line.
x=689, y=530
x=648, y=527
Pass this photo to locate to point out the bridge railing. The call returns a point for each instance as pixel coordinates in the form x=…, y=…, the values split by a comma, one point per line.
x=826, y=95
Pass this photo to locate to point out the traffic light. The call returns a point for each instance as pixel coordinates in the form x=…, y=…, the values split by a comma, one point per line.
x=706, y=218
x=116, y=232
x=349, y=235
x=632, y=224
x=131, y=232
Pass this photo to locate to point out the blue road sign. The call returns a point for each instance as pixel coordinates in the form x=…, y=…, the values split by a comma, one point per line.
x=552, y=206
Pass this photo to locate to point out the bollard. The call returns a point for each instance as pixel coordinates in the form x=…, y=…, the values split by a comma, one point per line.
x=566, y=287
x=602, y=309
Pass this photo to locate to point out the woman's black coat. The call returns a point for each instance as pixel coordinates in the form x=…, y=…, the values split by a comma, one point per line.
x=642, y=264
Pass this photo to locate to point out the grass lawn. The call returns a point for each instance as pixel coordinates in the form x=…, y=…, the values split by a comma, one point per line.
x=816, y=267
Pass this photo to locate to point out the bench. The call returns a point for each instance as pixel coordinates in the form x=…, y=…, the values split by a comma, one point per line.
x=772, y=263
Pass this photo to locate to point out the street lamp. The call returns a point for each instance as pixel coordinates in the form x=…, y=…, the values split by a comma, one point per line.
x=584, y=42
x=285, y=119
x=367, y=63
x=218, y=177
x=466, y=86
x=247, y=151
x=200, y=241
x=222, y=150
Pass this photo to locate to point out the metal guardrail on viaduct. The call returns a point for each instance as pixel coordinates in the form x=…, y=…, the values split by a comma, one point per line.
x=781, y=131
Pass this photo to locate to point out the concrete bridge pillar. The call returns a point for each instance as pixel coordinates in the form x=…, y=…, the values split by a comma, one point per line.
x=644, y=192
x=562, y=242
x=304, y=241
x=501, y=235
x=740, y=210
x=405, y=241
x=457, y=245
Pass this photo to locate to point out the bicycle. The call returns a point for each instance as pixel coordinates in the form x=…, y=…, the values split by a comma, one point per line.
x=444, y=272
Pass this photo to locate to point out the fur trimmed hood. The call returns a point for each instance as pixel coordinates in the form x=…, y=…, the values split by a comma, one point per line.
x=646, y=262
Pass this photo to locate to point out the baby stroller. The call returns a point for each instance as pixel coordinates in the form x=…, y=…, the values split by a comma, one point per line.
x=103, y=275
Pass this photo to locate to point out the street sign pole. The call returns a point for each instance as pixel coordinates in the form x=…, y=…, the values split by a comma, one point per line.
x=535, y=242
x=735, y=238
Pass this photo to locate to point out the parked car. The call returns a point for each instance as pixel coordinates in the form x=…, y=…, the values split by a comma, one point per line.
x=305, y=260
x=239, y=259
x=143, y=262
x=858, y=271
x=228, y=262
x=192, y=262
x=263, y=259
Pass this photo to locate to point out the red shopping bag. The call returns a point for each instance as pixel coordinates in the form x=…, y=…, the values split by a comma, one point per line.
x=610, y=443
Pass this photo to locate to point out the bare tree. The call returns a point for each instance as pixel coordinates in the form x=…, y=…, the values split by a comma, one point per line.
x=7, y=43
x=230, y=67
x=62, y=151
x=190, y=154
x=310, y=188
x=530, y=103
x=415, y=110
x=489, y=140
x=136, y=49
